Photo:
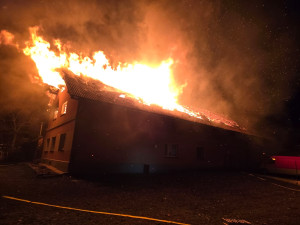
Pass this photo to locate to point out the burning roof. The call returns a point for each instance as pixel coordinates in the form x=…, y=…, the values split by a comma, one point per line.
x=139, y=85
x=89, y=88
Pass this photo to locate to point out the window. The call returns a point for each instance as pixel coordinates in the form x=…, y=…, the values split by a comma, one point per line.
x=47, y=144
x=55, y=113
x=200, y=153
x=62, y=141
x=171, y=150
x=53, y=140
x=64, y=108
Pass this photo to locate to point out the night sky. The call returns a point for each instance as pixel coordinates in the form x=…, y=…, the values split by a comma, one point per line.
x=238, y=58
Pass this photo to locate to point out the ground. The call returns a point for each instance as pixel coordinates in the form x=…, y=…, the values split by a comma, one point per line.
x=189, y=198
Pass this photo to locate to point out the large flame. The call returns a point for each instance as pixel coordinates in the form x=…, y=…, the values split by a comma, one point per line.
x=154, y=85
x=151, y=84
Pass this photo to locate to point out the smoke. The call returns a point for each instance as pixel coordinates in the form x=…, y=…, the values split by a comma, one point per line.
x=234, y=58
x=17, y=91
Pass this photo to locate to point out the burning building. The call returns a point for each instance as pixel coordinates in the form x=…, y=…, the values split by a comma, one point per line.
x=95, y=128
x=126, y=118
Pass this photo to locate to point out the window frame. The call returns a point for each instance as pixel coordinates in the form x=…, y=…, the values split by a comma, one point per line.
x=64, y=107
x=62, y=142
x=47, y=145
x=53, y=142
x=171, y=150
x=55, y=114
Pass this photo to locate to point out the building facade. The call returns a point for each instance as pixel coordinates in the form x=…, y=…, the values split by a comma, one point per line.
x=57, y=144
x=94, y=130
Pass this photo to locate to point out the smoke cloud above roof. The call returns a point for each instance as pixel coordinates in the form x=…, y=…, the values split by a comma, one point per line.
x=233, y=58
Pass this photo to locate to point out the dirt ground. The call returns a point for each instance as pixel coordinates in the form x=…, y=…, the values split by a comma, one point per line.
x=189, y=198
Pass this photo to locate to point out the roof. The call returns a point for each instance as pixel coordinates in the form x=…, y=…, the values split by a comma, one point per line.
x=89, y=88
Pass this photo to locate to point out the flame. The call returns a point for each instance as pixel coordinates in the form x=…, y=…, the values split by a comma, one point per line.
x=149, y=84
x=7, y=38
x=154, y=85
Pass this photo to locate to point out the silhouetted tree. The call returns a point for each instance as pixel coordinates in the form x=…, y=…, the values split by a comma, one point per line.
x=23, y=103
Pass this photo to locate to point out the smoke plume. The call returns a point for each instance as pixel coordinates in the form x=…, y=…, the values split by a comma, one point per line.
x=232, y=57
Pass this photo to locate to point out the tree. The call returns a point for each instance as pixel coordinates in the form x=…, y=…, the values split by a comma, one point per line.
x=23, y=103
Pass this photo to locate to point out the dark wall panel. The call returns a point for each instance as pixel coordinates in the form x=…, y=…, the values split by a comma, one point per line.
x=112, y=138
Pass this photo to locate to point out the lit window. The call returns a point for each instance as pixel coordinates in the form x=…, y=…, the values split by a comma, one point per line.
x=171, y=150
x=55, y=114
x=53, y=140
x=64, y=108
x=62, y=141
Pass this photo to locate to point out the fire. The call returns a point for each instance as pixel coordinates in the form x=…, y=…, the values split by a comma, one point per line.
x=154, y=85
x=149, y=84
x=46, y=61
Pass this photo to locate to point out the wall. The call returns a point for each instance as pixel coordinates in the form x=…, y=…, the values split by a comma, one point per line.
x=62, y=118
x=62, y=124
x=112, y=138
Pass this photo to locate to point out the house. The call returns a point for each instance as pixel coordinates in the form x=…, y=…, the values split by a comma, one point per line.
x=96, y=129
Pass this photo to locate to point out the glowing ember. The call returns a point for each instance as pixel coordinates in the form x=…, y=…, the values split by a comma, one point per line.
x=148, y=84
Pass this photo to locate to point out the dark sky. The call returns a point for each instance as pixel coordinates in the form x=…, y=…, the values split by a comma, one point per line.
x=238, y=58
